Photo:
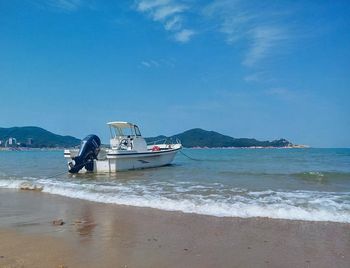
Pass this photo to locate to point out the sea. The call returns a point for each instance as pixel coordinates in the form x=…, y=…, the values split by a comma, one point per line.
x=298, y=184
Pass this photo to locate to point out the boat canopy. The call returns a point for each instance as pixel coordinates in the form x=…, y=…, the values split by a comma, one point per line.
x=120, y=124
x=121, y=128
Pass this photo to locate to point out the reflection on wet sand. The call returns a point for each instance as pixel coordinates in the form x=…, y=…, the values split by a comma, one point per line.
x=85, y=224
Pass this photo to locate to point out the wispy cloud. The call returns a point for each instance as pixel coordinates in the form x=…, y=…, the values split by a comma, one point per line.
x=149, y=5
x=281, y=93
x=184, y=35
x=261, y=26
x=265, y=77
x=157, y=63
x=174, y=23
x=146, y=64
x=61, y=5
x=170, y=13
x=254, y=77
x=150, y=63
x=263, y=40
x=164, y=12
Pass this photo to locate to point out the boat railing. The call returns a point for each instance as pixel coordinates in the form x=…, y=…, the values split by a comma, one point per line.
x=165, y=141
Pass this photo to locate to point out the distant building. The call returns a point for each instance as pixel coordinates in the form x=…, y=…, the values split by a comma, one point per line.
x=29, y=142
x=11, y=142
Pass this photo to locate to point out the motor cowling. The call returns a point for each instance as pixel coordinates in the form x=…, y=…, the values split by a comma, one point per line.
x=89, y=149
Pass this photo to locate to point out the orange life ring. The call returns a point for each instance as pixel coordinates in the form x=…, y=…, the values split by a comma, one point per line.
x=155, y=148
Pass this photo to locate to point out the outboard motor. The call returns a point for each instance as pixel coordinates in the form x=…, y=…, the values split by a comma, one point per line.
x=89, y=149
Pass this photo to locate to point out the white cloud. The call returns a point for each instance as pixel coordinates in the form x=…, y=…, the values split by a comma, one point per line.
x=184, y=35
x=255, y=77
x=63, y=5
x=173, y=24
x=146, y=5
x=150, y=63
x=168, y=12
x=263, y=40
x=278, y=91
x=164, y=12
x=282, y=93
x=155, y=63
x=258, y=25
x=260, y=76
x=146, y=64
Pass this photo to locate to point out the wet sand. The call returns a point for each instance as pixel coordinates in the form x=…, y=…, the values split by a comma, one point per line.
x=106, y=235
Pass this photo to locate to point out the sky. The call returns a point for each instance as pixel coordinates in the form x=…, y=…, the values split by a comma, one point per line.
x=262, y=69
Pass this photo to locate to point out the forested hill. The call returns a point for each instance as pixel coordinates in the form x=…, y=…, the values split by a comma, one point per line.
x=202, y=138
x=36, y=137
x=39, y=137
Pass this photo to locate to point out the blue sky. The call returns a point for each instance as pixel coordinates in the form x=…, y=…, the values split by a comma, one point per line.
x=263, y=69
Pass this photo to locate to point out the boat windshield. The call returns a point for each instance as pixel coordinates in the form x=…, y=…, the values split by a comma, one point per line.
x=118, y=131
x=123, y=129
x=137, y=131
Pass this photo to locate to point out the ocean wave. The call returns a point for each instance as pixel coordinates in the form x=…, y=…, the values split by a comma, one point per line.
x=317, y=176
x=322, y=177
x=202, y=199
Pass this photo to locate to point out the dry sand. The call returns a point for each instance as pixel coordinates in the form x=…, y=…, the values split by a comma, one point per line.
x=102, y=235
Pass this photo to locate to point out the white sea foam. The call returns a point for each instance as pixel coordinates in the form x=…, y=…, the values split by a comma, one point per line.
x=11, y=183
x=234, y=202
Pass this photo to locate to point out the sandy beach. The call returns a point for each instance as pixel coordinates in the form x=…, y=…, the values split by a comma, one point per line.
x=103, y=235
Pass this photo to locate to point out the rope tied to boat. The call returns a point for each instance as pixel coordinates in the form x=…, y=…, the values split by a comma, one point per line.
x=55, y=175
x=189, y=157
x=64, y=172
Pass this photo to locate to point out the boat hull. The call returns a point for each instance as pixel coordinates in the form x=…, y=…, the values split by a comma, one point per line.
x=121, y=161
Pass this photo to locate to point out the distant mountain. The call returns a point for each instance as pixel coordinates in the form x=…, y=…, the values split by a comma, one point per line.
x=37, y=137
x=202, y=138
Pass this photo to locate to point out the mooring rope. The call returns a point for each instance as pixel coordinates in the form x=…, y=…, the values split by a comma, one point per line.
x=61, y=173
x=55, y=175
x=189, y=157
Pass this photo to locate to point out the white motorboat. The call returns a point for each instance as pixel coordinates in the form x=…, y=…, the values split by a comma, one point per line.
x=128, y=150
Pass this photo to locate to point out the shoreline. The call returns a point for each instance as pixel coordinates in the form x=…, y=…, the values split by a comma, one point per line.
x=14, y=149
x=108, y=235
x=40, y=188
x=294, y=146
